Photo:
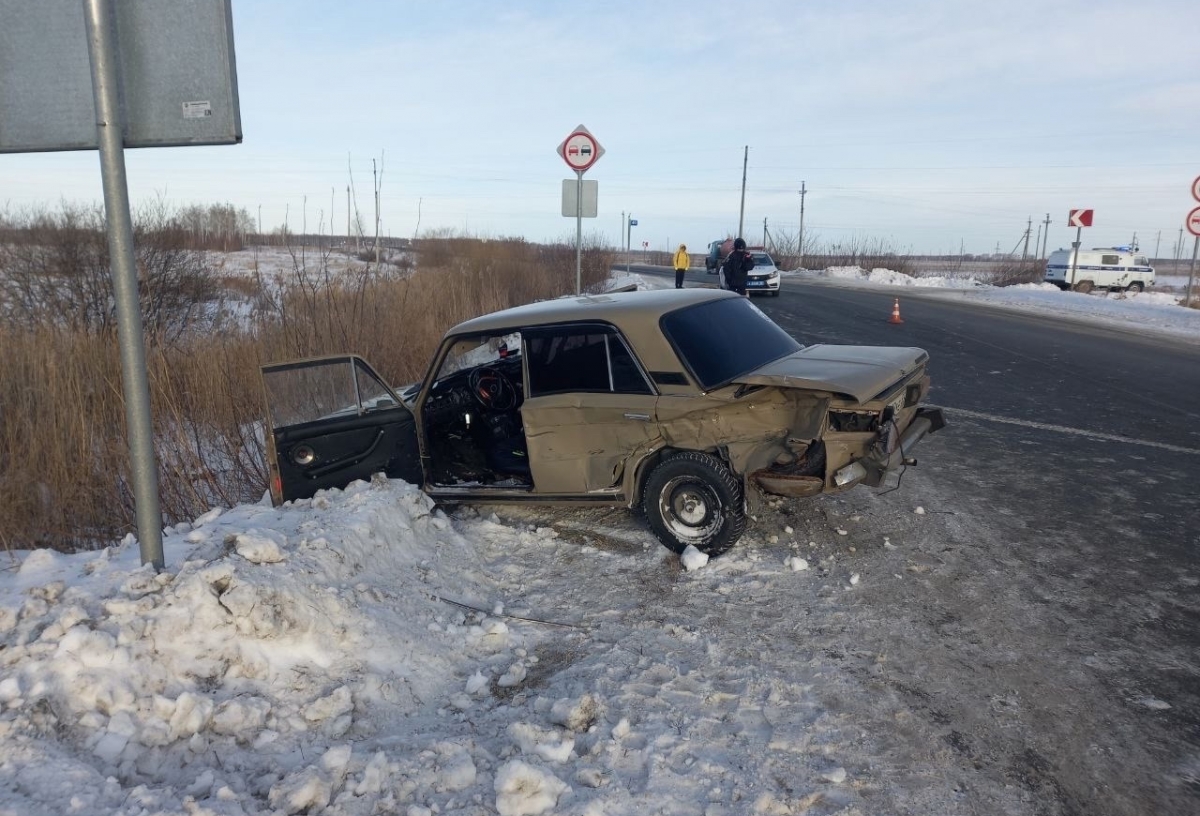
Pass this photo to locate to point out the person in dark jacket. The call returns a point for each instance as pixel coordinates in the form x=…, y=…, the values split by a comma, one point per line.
x=737, y=267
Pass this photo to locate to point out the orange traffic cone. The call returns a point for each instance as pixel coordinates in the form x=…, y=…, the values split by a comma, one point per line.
x=895, y=318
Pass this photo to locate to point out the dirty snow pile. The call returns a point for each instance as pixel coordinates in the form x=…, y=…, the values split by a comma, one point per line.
x=890, y=277
x=266, y=670
x=363, y=653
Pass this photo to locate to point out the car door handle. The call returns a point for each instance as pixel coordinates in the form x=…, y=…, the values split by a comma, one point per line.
x=642, y=417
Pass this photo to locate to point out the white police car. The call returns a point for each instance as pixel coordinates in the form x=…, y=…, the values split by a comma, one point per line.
x=764, y=277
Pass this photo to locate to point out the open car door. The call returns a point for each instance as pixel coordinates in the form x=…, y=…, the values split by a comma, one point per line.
x=333, y=420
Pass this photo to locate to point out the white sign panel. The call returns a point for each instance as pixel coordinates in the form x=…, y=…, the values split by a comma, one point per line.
x=591, y=198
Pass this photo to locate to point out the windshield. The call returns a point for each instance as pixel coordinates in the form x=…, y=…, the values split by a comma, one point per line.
x=471, y=352
x=762, y=259
x=721, y=340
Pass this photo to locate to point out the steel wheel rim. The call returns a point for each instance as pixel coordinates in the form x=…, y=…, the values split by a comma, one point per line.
x=690, y=508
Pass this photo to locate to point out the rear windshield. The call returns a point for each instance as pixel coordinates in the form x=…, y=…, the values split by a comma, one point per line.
x=721, y=340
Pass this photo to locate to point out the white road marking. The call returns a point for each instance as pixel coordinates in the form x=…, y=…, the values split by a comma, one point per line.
x=1045, y=426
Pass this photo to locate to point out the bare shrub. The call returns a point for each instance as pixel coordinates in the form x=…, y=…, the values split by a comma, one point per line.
x=221, y=227
x=1015, y=272
x=867, y=253
x=60, y=402
x=62, y=424
x=55, y=271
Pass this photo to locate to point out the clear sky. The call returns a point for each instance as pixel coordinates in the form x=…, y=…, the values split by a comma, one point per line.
x=927, y=125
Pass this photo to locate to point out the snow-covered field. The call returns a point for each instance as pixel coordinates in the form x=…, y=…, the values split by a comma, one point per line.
x=364, y=653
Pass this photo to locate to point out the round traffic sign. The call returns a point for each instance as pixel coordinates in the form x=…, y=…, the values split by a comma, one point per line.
x=580, y=150
x=1193, y=222
x=1196, y=188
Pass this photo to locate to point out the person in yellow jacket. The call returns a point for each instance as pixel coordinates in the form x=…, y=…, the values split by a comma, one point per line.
x=682, y=262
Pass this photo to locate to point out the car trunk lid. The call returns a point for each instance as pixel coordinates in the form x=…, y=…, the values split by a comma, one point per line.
x=861, y=372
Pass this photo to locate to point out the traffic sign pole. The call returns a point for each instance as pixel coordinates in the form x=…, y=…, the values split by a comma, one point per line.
x=1075, y=254
x=1187, y=301
x=1193, y=226
x=578, y=229
x=1078, y=219
x=580, y=151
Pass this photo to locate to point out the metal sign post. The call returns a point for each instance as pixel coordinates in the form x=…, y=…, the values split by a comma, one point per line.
x=1193, y=226
x=160, y=74
x=578, y=229
x=1078, y=219
x=580, y=151
x=109, y=128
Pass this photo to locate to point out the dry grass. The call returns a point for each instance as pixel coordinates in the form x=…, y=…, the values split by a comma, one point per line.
x=62, y=424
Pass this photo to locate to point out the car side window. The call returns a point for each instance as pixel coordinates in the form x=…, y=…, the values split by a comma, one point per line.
x=581, y=358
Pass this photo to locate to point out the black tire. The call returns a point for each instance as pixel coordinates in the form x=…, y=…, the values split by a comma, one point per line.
x=692, y=498
x=1136, y=286
x=1084, y=287
x=775, y=293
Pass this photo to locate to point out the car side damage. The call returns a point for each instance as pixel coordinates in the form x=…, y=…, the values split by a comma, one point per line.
x=691, y=404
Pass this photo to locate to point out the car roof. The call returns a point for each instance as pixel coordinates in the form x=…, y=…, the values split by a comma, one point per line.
x=623, y=309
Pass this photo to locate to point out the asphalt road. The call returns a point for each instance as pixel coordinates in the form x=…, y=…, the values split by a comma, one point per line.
x=1057, y=640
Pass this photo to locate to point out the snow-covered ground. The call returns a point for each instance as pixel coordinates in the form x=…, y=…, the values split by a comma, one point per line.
x=365, y=653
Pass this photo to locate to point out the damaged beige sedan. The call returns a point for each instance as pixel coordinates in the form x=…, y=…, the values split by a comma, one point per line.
x=688, y=403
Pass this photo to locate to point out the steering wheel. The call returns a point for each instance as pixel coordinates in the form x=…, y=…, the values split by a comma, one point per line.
x=493, y=389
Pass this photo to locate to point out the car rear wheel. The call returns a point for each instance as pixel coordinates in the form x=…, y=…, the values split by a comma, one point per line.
x=1083, y=286
x=692, y=499
x=1136, y=286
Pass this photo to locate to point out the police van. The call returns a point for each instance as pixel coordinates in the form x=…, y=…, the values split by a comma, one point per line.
x=1113, y=268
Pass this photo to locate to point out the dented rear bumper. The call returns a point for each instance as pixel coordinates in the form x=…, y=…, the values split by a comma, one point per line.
x=892, y=454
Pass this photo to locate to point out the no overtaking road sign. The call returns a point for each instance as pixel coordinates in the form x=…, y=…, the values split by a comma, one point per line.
x=580, y=150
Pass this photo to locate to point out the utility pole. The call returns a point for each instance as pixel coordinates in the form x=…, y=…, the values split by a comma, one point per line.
x=764, y=234
x=742, y=212
x=800, y=240
x=1025, y=250
x=1157, y=241
x=347, y=217
x=375, y=183
x=1045, y=238
x=1133, y=243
